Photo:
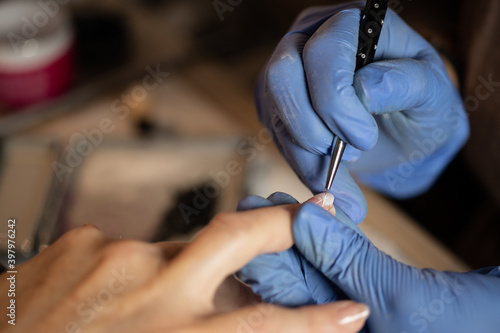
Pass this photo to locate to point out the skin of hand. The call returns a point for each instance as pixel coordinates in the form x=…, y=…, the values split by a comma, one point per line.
x=87, y=282
x=331, y=260
x=401, y=116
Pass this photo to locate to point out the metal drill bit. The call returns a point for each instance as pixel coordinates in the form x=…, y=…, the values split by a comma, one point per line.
x=338, y=151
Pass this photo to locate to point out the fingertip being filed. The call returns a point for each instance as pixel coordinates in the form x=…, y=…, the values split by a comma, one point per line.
x=325, y=201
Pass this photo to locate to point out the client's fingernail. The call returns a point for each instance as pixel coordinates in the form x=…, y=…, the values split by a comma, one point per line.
x=325, y=200
x=353, y=312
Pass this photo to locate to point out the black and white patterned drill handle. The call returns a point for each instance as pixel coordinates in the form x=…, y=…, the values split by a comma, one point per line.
x=369, y=31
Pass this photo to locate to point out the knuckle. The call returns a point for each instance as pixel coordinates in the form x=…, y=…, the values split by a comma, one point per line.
x=84, y=234
x=129, y=251
x=274, y=75
x=285, y=60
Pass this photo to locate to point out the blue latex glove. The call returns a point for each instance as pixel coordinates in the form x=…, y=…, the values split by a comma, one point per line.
x=401, y=298
x=402, y=109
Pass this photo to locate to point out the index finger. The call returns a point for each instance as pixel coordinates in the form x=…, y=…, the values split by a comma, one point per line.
x=227, y=244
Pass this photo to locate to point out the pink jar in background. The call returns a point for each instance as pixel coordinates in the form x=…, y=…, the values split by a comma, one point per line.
x=36, y=51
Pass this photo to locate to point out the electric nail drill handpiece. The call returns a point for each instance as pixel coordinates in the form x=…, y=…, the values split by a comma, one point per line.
x=369, y=33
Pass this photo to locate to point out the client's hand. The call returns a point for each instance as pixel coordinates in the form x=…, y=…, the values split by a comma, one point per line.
x=86, y=282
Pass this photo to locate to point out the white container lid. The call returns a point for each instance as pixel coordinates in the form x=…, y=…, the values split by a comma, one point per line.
x=32, y=37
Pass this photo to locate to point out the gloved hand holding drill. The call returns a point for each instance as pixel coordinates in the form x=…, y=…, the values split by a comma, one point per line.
x=401, y=116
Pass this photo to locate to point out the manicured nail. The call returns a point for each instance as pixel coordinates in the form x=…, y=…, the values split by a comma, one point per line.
x=353, y=312
x=325, y=200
